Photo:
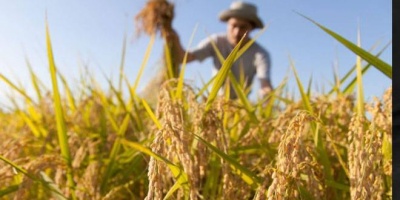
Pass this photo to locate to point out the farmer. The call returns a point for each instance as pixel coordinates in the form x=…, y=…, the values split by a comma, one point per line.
x=241, y=18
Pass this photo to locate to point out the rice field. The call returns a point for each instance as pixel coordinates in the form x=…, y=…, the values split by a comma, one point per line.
x=190, y=143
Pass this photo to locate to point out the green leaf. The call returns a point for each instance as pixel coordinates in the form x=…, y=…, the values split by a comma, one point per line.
x=179, y=87
x=61, y=127
x=309, y=87
x=35, y=81
x=122, y=64
x=151, y=114
x=113, y=155
x=34, y=178
x=68, y=92
x=243, y=98
x=386, y=147
x=144, y=63
x=56, y=192
x=352, y=83
x=360, y=91
x=222, y=74
x=16, y=88
x=304, y=97
x=8, y=190
x=204, y=88
x=373, y=60
x=244, y=173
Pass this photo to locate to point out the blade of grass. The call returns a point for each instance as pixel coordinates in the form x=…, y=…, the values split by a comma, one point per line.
x=250, y=42
x=244, y=173
x=360, y=92
x=8, y=190
x=387, y=147
x=106, y=104
x=341, y=160
x=174, y=188
x=17, y=167
x=169, y=61
x=68, y=92
x=309, y=87
x=35, y=129
x=16, y=88
x=304, y=97
x=35, y=80
x=56, y=193
x=351, y=85
x=61, y=127
x=133, y=108
x=151, y=114
x=222, y=74
x=274, y=94
x=118, y=95
x=204, y=88
x=222, y=59
x=373, y=60
x=144, y=63
x=179, y=88
x=113, y=155
x=243, y=98
x=34, y=178
x=122, y=64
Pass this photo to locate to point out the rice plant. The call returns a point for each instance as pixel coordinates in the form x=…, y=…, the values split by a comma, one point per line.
x=97, y=144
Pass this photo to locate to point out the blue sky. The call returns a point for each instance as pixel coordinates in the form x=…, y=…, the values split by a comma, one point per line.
x=90, y=33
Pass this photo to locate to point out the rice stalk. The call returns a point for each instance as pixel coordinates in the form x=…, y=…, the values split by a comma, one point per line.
x=360, y=91
x=179, y=151
x=61, y=127
x=365, y=160
x=174, y=134
x=293, y=160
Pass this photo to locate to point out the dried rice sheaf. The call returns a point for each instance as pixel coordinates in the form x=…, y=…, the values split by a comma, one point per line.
x=157, y=15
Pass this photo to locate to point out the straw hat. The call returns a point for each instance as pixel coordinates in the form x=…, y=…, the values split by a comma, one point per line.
x=242, y=10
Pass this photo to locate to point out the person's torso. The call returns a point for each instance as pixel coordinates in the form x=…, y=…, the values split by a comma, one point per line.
x=244, y=68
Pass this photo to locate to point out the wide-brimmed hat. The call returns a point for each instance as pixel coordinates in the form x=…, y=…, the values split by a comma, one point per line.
x=242, y=10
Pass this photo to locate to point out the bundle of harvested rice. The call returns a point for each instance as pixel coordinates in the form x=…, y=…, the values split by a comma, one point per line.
x=156, y=17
